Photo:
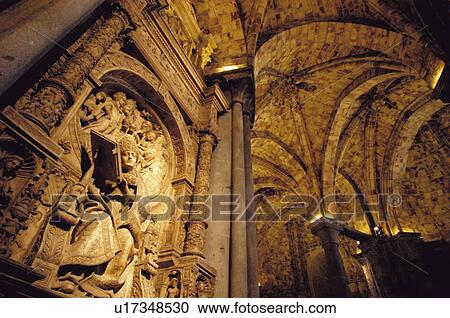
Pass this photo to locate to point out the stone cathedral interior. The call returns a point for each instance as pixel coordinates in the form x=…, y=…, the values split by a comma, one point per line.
x=224, y=148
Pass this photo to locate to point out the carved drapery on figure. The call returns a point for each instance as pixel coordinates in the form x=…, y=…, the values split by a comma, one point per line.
x=54, y=95
x=18, y=188
x=196, y=226
x=101, y=242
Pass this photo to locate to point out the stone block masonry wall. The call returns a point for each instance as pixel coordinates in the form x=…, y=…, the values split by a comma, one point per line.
x=426, y=182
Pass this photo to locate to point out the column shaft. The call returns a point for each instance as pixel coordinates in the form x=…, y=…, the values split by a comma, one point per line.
x=238, y=273
x=335, y=269
x=217, y=243
x=196, y=226
x=329, y=237
x=252, y=253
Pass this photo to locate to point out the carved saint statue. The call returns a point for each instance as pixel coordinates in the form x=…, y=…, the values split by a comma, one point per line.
x=173, y=290
x=9, y=164
x=203, y=287
x=104, y=246
x=106, y=230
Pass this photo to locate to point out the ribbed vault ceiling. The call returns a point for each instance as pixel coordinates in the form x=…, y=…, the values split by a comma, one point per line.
x=342, y=88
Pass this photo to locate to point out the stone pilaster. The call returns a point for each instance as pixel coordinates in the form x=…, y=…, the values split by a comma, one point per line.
x=56, y=94
x=196, y=225
x=217, y=245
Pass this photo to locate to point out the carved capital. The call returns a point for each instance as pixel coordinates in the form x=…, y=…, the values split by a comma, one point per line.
x=327, y=229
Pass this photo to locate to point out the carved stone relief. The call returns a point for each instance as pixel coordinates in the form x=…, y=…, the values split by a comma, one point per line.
x=180, y=138
x=100, y=241
x=187, y=280
x=173, y=290
x=176, y=26
x=17, y=190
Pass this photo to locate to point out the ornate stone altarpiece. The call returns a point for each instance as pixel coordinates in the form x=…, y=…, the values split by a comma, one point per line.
x=70, y=172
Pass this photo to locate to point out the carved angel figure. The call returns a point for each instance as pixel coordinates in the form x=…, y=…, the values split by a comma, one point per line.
x=101, y=113
x=132, y=117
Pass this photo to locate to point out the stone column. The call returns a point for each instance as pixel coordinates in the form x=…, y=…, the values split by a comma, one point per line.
x=238, y=272
x=328, y=232
x=252, y=253
x=57, y=93
x=196, y=225
x=217, y=245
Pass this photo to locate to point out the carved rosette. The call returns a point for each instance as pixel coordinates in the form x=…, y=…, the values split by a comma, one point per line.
x=196, y=226
x=55, y=94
